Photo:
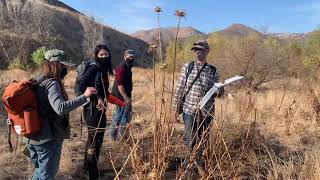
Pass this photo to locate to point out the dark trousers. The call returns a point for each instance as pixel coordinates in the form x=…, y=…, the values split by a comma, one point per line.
x=196, y=128
x=95, y=120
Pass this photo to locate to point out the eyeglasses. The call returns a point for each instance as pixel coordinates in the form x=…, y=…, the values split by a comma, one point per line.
x=198, y=49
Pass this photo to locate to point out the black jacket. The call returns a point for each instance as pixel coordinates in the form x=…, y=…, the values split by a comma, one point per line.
x=93, y=78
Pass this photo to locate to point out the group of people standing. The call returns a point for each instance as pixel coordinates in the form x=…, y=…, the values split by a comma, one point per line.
x=92, y=89
x=196, y=78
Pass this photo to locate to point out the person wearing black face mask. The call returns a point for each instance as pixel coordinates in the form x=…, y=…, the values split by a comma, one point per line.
x=96, y=75
x=130, y=62
x=102, y=64
x=122, y=89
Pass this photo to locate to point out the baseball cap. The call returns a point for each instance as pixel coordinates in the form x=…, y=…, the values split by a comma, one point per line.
x=200, y=44
x=130, y=53
x=56, y=55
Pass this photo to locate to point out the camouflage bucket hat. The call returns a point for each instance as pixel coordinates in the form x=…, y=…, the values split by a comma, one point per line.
x=56, y=55
x=200, y=44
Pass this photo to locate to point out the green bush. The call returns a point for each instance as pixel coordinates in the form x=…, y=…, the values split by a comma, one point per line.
x=312, y=51
x=18, y=64
x=2, y=111
x=38, y=56
x=184, y=53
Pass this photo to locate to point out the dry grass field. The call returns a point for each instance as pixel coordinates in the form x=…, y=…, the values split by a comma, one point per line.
x=270, y=134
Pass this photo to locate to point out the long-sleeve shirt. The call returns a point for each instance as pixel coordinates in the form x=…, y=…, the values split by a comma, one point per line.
x=124, y=78
x=54, y=110
x=200, y=87
x=57, y=102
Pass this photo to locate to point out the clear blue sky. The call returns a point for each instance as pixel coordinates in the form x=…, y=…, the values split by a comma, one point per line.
x=205, y=15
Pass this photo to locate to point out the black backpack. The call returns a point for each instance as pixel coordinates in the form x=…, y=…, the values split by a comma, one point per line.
x=81, y=69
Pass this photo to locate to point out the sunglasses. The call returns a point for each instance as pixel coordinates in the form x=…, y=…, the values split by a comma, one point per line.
x=198, y=49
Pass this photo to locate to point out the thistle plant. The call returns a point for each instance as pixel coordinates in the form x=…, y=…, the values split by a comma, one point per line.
x=158, y=10
x=180, y=14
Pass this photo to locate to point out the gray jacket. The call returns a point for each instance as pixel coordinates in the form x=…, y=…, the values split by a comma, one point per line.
x=54, y=110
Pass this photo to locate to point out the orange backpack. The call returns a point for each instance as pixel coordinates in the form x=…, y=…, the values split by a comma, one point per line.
x=20, y=102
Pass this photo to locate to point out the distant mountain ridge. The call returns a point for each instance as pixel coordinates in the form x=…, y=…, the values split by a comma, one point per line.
x=232, y=31
x=237, y=30
x=167, y=34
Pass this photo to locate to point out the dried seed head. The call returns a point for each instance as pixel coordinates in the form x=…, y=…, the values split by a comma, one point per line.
x=152, y=48
x=157, y=9
x=164, y=66
x=180, y=13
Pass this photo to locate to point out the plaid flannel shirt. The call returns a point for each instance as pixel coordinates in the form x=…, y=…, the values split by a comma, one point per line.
x=200, y=87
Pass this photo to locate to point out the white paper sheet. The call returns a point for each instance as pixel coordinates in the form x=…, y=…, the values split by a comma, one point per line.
x=214, y=89
x=228, y=81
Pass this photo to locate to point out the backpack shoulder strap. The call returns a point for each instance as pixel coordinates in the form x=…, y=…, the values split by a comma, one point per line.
x=83, y=66
x=194, y=80
x=213, y=69
x=92, y=63
x=190, y=68
x=40, y=80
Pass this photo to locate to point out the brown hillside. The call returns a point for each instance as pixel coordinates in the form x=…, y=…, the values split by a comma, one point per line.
x=237, y=30
x=232, y=31
x=26, y=25
x=167, y=34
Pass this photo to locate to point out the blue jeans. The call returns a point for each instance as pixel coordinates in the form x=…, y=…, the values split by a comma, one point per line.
x=195, y=129
x=46, y=158
x=121, y=116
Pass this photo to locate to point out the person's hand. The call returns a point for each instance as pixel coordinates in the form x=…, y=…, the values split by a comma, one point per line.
x=128, y=101
x=176, y=117
x=220, y=92
x=90, y=91
x=100, y=106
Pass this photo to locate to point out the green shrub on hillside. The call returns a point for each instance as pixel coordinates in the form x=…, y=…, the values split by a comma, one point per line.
x=312, y=51
x=184, y=53
x=38, y=56
x=18, y=64
x=2, y=111
x=257, y=58
x=217, y=46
